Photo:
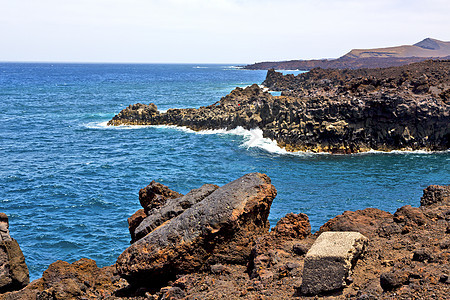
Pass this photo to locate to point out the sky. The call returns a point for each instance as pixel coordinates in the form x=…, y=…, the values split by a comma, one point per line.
x=211, y=31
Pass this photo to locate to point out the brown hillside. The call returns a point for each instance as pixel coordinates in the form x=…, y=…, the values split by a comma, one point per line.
x=426, y=48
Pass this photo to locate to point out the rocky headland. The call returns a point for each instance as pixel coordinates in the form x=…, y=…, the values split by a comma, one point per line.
x=215, y=243
x=367, y=58
x=335, y=111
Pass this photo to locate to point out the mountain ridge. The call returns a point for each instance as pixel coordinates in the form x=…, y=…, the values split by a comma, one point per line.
x=428, y=48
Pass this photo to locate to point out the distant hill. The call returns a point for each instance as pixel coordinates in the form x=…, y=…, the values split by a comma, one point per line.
x=426, y=48
x=368, y=58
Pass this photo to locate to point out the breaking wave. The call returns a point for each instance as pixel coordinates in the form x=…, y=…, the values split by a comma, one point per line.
x=252, y=138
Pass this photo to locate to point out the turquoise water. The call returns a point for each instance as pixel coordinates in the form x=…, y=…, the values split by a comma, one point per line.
x=68, y=182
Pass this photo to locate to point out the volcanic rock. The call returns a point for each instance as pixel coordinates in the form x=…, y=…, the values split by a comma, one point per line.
x=13, y=270
x=293, y=226
x=171, y=209
x=435, y=194
x=79, y=280
x=335, y=111
x=394, y=279
x=134, y=221
x=367, y=221
x=219, y=229
x=155, y=195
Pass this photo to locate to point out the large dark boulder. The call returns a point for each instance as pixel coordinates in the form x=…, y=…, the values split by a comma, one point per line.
x=171, y=209
x=218, y=229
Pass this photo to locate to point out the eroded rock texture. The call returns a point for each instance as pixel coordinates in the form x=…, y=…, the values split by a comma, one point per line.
x=218, y=229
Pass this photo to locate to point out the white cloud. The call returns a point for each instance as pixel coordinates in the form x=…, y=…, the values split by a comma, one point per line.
x=211, y=31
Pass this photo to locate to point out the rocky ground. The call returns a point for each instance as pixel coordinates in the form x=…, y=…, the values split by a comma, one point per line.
x=215, y=243
x=336, y=111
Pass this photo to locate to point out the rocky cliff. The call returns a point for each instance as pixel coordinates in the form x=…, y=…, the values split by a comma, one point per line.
x=336, y=111
x=214, y=243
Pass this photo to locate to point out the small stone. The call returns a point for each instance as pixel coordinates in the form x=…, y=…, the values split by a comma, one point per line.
x=300, y=249
x=421, y=255
x=393, y=280
x=219, y=269
x=173, y=293
x=445, y=244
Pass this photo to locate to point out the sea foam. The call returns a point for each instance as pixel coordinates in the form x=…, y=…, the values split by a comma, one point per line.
x=252, y=138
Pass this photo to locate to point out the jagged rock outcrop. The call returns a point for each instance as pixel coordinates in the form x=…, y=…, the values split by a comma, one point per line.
x=219, y=247
x=152, y=197
x=336, y=111
x=171, y=209
x=218, y=229
x=81, y=279
x=13, y=269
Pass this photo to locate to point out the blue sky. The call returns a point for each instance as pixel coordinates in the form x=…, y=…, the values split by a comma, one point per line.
x=211, y=31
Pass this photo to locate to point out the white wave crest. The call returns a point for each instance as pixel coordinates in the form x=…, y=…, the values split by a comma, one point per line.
x=252, y=138
x=232, y=68
x=96, y=125
x=104, y=125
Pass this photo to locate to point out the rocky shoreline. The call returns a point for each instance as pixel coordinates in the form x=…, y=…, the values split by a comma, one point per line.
x=214, y=243
x=339, y=63
x=335, y=111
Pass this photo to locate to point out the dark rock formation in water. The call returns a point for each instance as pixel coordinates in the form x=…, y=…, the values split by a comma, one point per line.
x=335, y=111
x=338, y=63
x=13, y=270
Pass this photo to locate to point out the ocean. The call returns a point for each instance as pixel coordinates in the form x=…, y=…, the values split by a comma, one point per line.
x=68, y=182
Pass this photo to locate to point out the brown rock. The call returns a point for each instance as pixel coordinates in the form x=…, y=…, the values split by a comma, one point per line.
x=134, y=221
x=409, y=215
x=79, y=280
x=394, y=279
x=293, y=226
x=435, y=194
x=13, y=269
x=219, y=229
x=366, y=222
x=4, y=228
x=155, y=195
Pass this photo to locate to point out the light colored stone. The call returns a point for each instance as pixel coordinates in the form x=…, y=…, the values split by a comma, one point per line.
x=329, y=261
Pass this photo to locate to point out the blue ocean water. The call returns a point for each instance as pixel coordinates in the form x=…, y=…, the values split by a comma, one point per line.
x=68, y=182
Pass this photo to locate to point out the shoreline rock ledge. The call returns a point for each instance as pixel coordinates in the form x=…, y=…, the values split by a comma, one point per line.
x=335, y=111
